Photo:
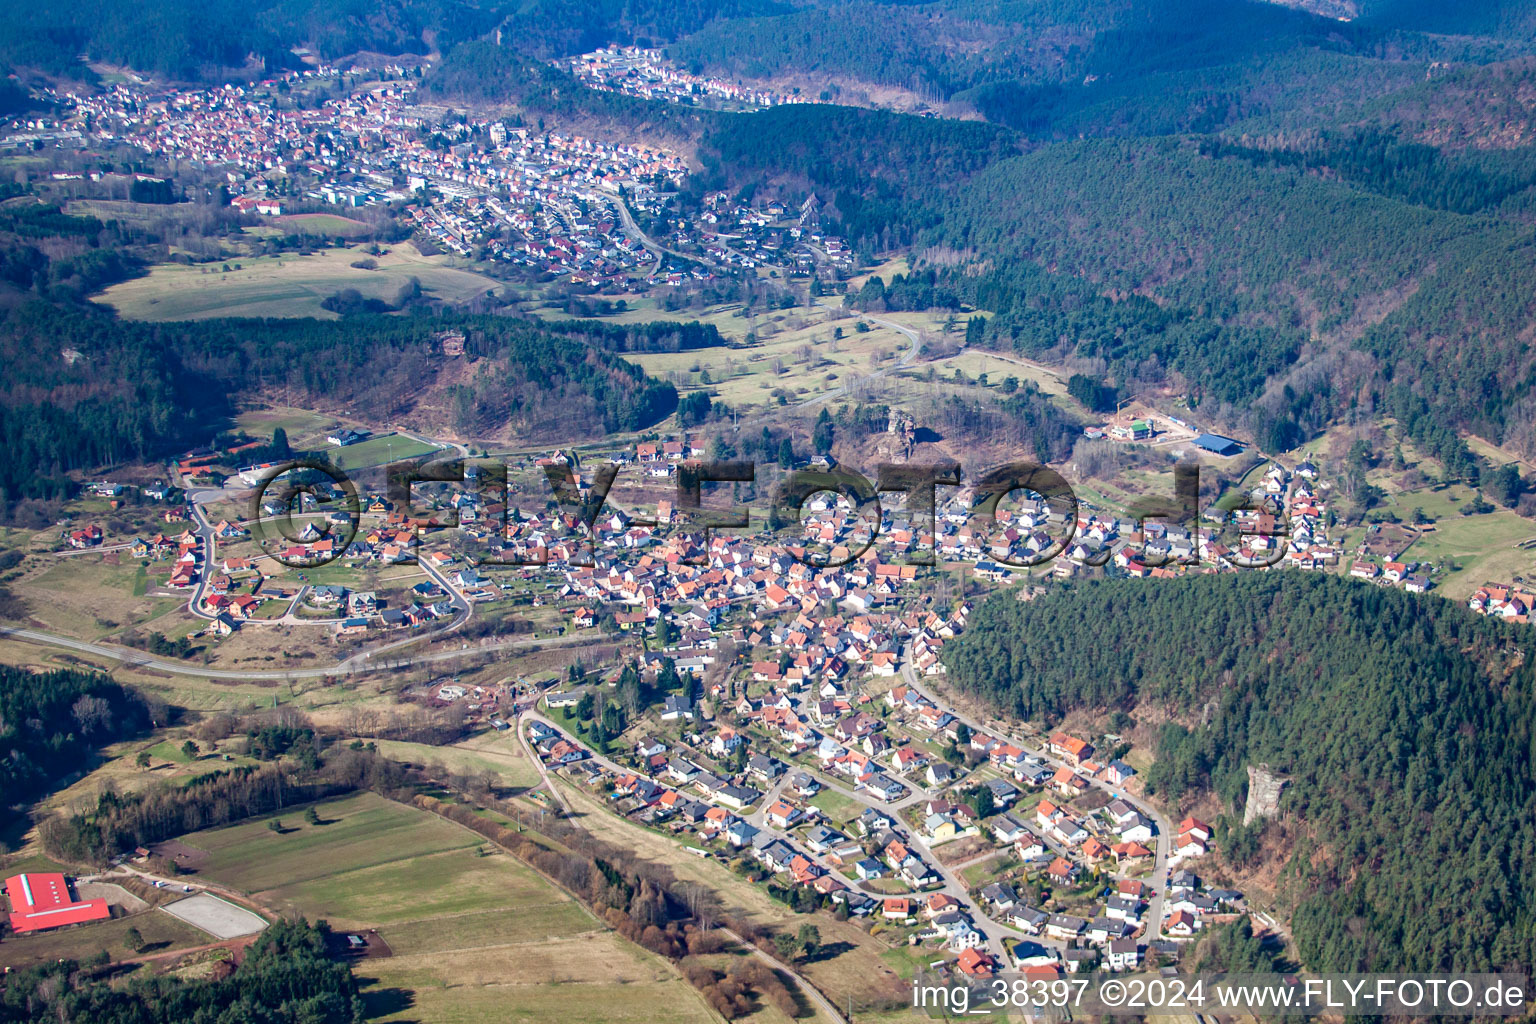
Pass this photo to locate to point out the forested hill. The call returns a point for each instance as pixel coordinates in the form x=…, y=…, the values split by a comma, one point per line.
x=51, y=722
x=1238, y=270
x=208, y=39
x=1408, y=835
x=83, y=389
x=886, y=175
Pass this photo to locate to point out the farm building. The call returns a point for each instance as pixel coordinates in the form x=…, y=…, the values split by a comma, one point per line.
x=41, y=901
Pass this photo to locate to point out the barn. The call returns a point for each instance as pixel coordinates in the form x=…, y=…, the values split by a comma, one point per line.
x=1218, y=445
x=43, y=900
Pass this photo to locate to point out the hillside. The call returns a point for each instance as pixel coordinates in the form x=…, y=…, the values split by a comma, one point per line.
x=190, y=41
x=554, y=381
x=1272, y=274
x=84, y=389
x=1070, y=67
x=1401, y=719
x=206, y=40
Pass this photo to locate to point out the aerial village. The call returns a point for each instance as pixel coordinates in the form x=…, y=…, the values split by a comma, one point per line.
x=647, y=73
x=789, y=725
x=489, y=190
x=644, y=571
x=782, y=717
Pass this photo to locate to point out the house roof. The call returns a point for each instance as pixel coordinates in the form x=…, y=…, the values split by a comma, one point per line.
x=1217, y=444
x=42, y=900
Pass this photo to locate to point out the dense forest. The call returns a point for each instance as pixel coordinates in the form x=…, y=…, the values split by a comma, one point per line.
x=1414, y=172
x=882, y=195
x=1233, y=274
x=286, y=977
x=553, y=28
x=1400, y=719
x=1071, y=67
x=190, y=41
x=51, y=723
x=545, y=377
x=193, y=40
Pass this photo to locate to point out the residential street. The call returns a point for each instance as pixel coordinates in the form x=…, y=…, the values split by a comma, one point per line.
x=1159, y=879
x=954, y=884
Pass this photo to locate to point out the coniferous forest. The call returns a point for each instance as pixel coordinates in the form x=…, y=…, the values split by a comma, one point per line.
x=50, y=723
x=1406, y=723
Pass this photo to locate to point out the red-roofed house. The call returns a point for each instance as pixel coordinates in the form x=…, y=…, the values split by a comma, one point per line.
x=976, y=963
x=1070, y=748
x=1201, y=830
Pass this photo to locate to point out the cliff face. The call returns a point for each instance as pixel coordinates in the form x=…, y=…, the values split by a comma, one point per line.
x=1264, y=788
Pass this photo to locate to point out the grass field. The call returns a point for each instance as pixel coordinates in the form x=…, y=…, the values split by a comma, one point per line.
x=497, y=752
x=119, y=771
x=321, y=224
x=1483, y=548
x=474, y=937
x=87, y=597
x=359, y=832
x=836, y=806
x=793, y=350
x=284, y=286
x=303, y=427
x=161, y=932
x=378, y=451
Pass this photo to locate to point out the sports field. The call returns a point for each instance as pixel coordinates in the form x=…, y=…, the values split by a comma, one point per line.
x=377, y=451
x=284, y=286
x=475, y=935
x=219, y=918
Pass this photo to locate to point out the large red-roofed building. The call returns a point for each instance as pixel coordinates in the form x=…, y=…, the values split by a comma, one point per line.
x=41, y=901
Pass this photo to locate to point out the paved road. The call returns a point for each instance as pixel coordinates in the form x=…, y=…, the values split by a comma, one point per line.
x=204, y=530
x=365, y=661
x=101, y=550
x=811, y=991
x=843, y=389
x=633, y=230
x=463, y=609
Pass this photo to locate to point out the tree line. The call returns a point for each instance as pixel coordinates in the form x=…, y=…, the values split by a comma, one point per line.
x=286, y=977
